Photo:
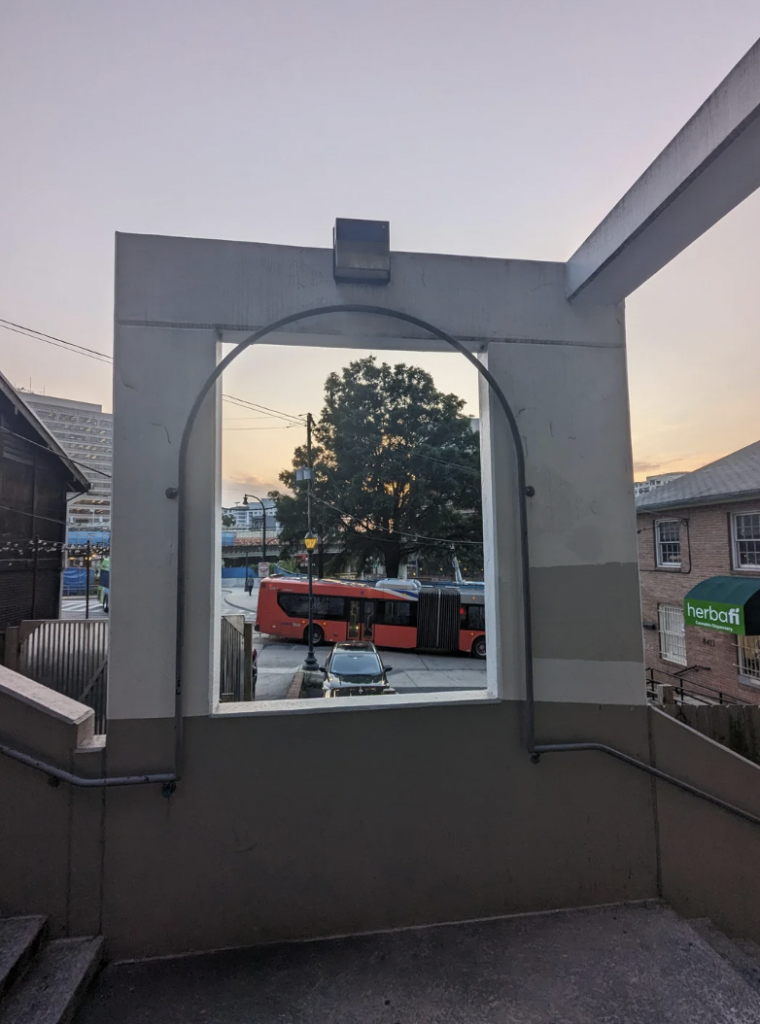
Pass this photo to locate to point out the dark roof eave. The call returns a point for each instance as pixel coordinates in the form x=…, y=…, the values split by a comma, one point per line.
x=77, y=480
x=712, y=499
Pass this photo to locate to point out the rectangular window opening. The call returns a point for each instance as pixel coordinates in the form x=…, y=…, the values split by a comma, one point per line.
x=748, y=657
x=745, y=529
x=398, y=565
x=668, y=537
x=672, y=633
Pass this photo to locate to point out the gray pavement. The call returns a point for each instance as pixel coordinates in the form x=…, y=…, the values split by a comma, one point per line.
x=279, y=659
x=76, y=608
x=637, y=964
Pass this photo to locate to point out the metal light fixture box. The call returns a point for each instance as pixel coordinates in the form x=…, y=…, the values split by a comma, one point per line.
x=310, y=541
x=362, y=251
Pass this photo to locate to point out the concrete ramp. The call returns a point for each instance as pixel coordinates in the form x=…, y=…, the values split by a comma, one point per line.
x=623, y=964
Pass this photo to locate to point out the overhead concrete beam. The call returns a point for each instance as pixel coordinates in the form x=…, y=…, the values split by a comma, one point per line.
x=703, y=173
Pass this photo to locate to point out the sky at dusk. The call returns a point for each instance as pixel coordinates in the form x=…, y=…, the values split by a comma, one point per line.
x=487, y=127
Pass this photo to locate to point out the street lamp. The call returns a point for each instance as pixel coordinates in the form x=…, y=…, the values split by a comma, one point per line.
x=310, y=662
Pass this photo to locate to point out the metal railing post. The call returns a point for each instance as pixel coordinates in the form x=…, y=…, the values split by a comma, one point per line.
x=248, y=689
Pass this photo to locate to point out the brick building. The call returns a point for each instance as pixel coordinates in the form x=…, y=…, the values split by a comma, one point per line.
x=699, y=542
x=35, y=478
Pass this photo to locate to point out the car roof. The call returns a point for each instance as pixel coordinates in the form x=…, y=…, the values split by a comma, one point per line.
x=355, y=645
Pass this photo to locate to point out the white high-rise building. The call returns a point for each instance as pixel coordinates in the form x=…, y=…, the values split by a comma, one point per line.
x=644, y=486
x=85, y=433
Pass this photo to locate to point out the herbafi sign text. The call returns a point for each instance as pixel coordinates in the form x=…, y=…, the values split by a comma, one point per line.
x=728, y=618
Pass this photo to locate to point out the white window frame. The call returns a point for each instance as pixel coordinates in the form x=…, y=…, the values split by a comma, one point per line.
x=748, y=665
x=672, y=640
x=736, y=541
x=659, y=544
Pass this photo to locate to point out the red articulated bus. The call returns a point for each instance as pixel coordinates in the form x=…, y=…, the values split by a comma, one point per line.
x=436, y=620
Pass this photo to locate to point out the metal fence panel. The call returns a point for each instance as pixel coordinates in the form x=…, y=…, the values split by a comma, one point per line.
x=71, y=657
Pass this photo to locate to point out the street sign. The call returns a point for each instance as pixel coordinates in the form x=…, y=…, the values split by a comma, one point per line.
x=263, y=569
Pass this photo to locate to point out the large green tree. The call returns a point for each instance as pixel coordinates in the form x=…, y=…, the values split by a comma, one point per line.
x=396, y=470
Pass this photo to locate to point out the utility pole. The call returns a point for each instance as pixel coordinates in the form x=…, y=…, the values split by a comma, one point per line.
x=309, y=464
x=263, y=532
x=263, y=523
x=310, y=662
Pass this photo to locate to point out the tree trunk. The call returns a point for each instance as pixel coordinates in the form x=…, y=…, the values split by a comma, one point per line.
x=392, y=559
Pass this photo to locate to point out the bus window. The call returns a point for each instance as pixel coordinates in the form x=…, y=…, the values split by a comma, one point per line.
x=294, y=605
x=474, y=617
x=397, y=613
x=332, y=608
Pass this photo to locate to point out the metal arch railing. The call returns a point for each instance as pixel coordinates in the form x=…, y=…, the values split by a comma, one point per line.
x=523, y=491
x=169, y=779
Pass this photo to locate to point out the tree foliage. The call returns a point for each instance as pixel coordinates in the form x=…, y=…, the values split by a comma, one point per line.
x=395, y=464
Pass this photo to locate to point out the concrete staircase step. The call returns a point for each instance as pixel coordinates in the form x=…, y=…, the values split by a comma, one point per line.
x=742, y=954
x=749, y=947
x=20, y=938
x=50, y=990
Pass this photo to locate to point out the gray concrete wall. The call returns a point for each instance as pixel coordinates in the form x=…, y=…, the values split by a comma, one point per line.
x=563, y=369
x=302, y=826
x=570, y=399
x=708, y=857
x=305, y=826
x=50, y=838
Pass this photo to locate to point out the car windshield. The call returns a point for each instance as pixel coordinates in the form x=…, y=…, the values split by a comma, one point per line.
x=355, y=663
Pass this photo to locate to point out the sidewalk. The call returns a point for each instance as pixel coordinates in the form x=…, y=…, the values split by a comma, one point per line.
x=237, y=600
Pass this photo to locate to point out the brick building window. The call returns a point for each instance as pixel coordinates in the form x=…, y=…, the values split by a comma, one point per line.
x=672, y=633
x=748, y=648
x=746, y=540
x=668, y=533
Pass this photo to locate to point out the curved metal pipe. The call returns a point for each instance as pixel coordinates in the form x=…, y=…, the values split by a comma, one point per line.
x=522, y=492
x=85, y=782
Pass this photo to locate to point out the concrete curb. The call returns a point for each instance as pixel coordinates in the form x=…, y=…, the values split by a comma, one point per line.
x=294, y=690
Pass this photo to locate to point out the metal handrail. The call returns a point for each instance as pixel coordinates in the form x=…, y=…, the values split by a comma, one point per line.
x=688, y=689
x=673, y=780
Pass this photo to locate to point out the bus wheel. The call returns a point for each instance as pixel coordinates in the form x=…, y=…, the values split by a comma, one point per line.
x=479, y=648
x=317, y=636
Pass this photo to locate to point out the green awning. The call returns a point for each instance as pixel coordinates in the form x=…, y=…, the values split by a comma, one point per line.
x=730, y=604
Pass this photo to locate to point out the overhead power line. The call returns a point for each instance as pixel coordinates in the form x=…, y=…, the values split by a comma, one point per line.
x=256, y=407
x=50, y=339
x=91, y=353
x=44, y=447
x=264, y=410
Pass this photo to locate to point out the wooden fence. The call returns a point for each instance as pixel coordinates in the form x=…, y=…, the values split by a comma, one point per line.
x=236, y=682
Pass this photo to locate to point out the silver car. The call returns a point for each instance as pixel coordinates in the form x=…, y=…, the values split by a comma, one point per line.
x=355, y=669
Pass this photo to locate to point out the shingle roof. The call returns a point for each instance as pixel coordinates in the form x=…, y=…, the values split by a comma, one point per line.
x=734, y=476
